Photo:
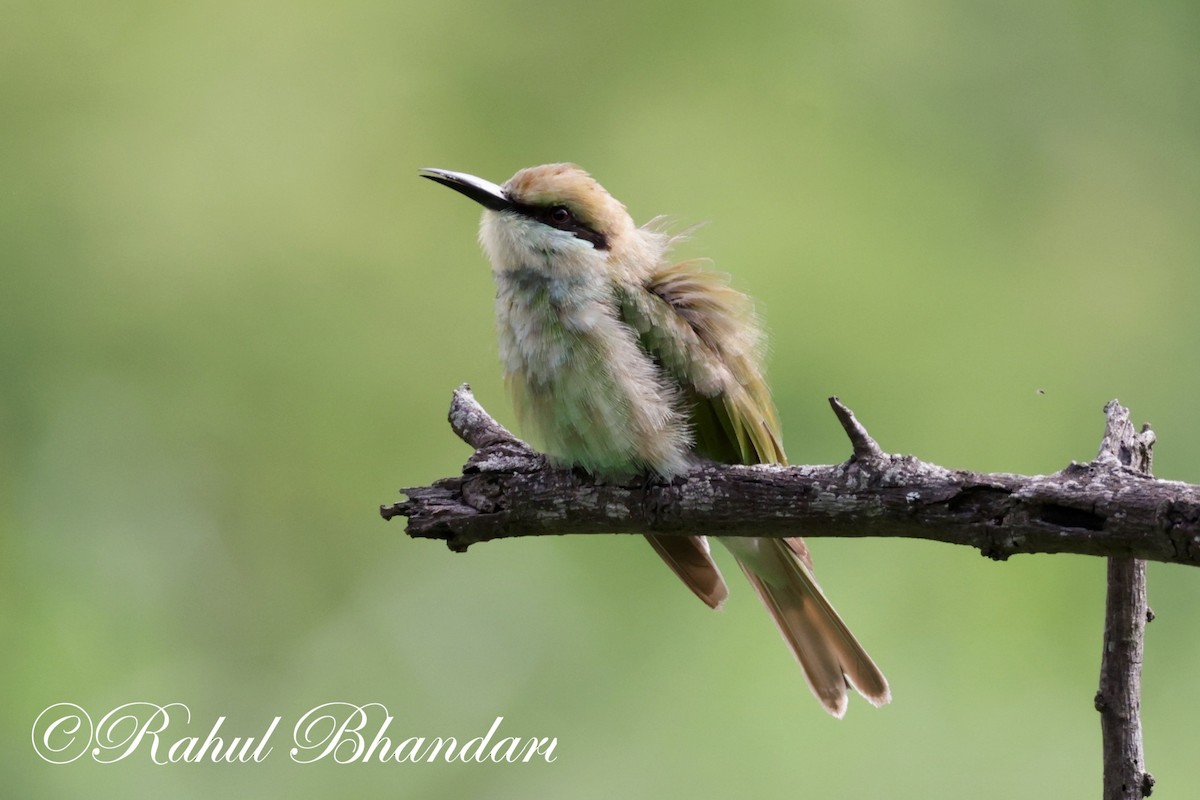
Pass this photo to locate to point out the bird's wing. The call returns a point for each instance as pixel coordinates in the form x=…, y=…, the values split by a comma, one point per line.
x=705, y=335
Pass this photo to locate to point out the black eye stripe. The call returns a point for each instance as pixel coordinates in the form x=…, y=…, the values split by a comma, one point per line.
x=546, y=216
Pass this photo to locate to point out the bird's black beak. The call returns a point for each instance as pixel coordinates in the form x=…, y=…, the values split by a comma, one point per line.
x=486, y=193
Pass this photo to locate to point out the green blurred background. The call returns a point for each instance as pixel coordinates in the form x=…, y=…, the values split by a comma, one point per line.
x=233, y=317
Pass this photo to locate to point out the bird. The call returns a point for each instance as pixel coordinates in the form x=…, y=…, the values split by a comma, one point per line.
x=621, y=361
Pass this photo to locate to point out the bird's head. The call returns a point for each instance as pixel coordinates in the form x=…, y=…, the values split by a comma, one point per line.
x=554, y=218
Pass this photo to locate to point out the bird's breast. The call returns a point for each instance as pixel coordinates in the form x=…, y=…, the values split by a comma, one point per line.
x=580, y=380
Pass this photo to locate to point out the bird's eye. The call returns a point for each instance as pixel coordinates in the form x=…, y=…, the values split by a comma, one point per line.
x=560, y=215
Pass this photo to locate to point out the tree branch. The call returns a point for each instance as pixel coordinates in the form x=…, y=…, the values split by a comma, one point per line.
x=1105, y=507
x=1119, y=699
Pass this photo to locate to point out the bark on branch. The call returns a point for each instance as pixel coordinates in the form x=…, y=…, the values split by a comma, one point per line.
x=1104, y=507
x=1126, y=612
x=1109, y=506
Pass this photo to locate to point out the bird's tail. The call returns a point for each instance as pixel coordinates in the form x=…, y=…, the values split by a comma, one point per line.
x=688, y=558
x=832, y=659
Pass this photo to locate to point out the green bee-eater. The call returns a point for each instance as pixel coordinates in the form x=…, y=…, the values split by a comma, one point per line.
x=623, y=362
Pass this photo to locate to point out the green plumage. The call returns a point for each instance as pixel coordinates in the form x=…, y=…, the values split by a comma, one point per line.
x=705, y=337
